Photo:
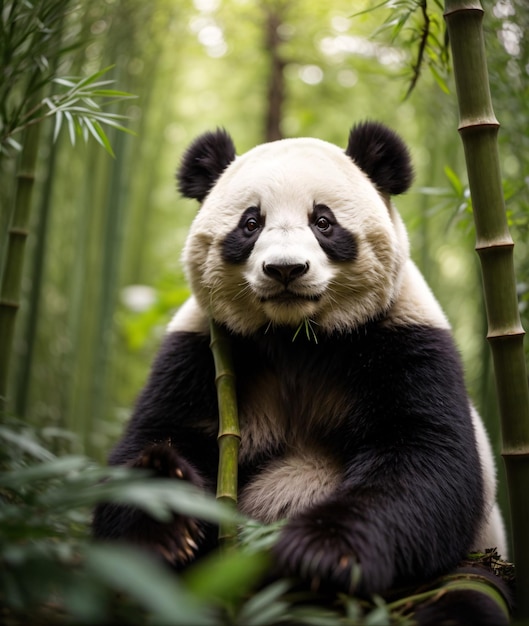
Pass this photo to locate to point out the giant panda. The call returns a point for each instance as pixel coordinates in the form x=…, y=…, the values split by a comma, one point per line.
x=356, y=427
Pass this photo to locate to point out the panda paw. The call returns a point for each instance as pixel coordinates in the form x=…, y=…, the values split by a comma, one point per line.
x=179, y=540
x=322, y=547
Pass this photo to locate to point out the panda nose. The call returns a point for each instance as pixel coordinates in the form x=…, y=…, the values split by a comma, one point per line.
x=285, y=273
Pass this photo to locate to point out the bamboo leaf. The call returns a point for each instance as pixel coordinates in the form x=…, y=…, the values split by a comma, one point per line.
x=226, y=576
x=148, y=581
x=454, y=180
x=66, y=82
x=264, y=606
x=58, y=125
x=71, y=126
x=439, y=79
x=98, y=134
x=25, y=444
x=43, y=471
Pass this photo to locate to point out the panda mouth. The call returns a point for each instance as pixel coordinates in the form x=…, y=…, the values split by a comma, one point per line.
x=290, y=297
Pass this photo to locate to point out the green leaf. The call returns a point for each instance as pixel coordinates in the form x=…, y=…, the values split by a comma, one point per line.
x=99, y=134
x=25, y=444
x=439, y=79
x=265, y=607
x=71, y=126
x=454, y=180
x=42, y=471
x=157, y=496
x=227, y=574
x=158, y=590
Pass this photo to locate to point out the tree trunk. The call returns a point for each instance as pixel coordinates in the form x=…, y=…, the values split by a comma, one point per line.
x=276, y=80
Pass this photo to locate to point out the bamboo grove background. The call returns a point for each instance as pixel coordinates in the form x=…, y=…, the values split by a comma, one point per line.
x=101, y=274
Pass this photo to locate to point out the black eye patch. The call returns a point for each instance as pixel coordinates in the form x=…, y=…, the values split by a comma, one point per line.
x=238, y=244
x=336, y=241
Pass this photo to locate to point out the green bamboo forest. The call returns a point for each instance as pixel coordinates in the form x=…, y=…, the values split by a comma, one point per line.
x=98, y=101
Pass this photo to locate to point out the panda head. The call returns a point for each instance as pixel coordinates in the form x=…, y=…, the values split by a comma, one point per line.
x=296, y=230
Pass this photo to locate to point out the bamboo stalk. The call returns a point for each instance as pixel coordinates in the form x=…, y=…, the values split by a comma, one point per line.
x=478, y=128
x=229, y=436
x=37, y=261
x=18, y=231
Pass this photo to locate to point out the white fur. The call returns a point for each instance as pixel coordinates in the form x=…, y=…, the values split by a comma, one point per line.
x=415, y=303
x=190, y=317
x=289, y=485
x=492, y=532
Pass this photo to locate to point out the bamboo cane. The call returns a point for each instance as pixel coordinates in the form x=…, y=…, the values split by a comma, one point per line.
x=10, y=287
x=478, y=128
x=229, y=436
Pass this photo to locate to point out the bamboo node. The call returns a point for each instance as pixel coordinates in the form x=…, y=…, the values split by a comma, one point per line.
x=224, y=374
x=478, y=124
x=29, y=176
x=21, y=232
x=505, y=334
x=229, y=433
x=10, y=304
x=491, y=246
x=469, y=7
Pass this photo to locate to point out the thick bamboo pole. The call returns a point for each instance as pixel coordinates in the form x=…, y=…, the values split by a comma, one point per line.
x=479, y=127
x=229, y=436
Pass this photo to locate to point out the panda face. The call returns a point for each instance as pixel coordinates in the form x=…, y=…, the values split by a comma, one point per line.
x=295, y=231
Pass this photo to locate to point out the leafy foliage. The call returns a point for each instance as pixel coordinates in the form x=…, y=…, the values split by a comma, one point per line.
x=419, y=27
x=31, y=36
x=49, y=564
x=52, y=571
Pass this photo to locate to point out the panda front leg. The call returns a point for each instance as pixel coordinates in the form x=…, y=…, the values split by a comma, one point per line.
x=337, y=545
x=177, y=542
x=408, y=506
x=172, y=435
x=384, y=534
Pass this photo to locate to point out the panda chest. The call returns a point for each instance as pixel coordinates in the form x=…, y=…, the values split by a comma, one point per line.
x=290, y=404
x=293, y=423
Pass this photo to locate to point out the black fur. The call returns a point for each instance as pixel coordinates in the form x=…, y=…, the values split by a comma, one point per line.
x=162, y=437
x=203, y=162
x=238, y=244
x=335, y=240
x=412, y=493
x=382, y=155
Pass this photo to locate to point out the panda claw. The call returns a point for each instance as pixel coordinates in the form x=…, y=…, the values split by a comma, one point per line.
x=167, y=554
x=345, y=562
x=191, y=543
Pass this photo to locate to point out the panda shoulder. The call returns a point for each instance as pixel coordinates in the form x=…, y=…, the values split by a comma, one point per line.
x=189, y=318
x=415, y=302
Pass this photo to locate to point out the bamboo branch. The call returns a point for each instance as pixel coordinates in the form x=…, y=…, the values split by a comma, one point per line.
x=229, y=436
x=479, y=127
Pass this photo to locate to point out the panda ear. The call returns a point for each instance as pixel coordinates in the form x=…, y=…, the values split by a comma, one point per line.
x=382, y=155
x=203, y=162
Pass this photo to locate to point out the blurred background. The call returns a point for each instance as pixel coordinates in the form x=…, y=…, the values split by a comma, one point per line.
x=102, y=273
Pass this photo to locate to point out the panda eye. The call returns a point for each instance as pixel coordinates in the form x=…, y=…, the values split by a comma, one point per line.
x=251, y=224
x=322, y=223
